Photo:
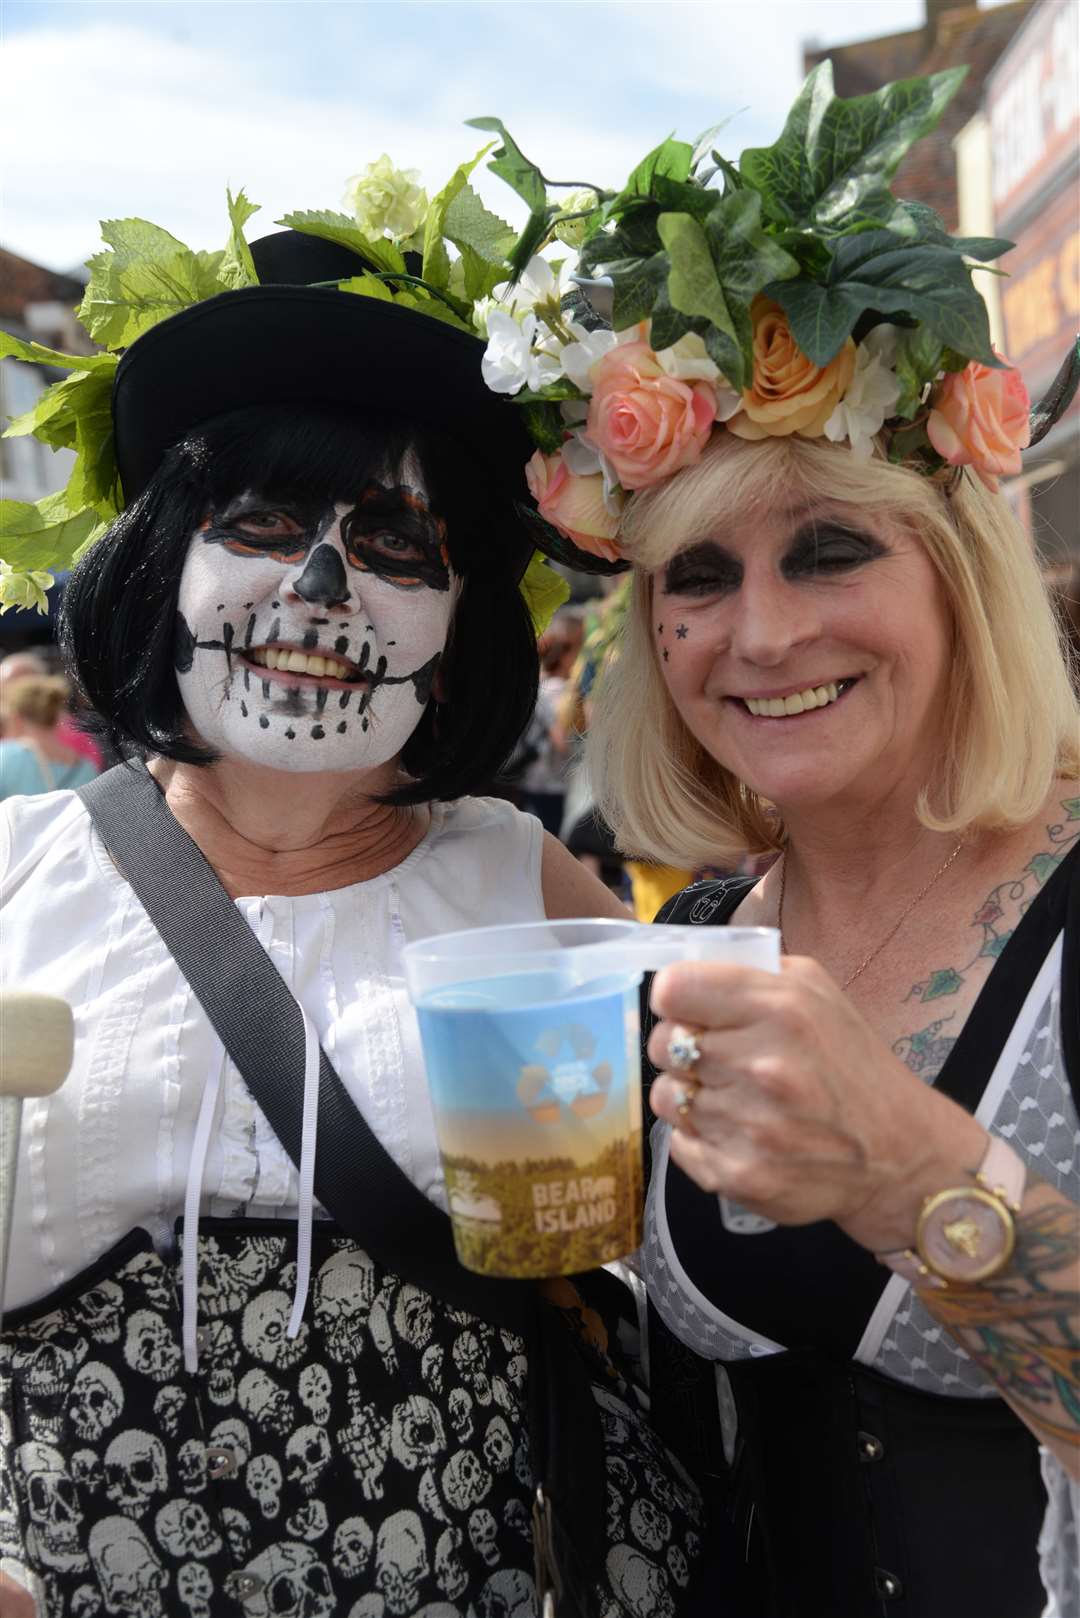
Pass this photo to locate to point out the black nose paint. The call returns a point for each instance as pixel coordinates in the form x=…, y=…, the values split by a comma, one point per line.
x=323, y=580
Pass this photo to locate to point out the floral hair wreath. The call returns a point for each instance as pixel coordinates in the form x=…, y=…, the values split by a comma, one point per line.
x=439, y=257
x=790, y=294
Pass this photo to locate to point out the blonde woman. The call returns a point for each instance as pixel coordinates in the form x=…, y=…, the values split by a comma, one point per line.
x=33, y=757
x=773, y=394
x=857, y=667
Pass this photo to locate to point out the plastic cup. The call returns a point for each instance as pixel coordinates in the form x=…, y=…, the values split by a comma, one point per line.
x=532, y=1044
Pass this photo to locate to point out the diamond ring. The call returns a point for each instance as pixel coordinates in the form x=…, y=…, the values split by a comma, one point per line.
x=684, y=1052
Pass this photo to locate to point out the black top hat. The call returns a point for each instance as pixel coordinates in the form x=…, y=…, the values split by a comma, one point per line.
x=293, y=340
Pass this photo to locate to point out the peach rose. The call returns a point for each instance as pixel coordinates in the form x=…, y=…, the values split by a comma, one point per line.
x=979, y=418
x=574, y=505
x=790, y=393
x=645, y=423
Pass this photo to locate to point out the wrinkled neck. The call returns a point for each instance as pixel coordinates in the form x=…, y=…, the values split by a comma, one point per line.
x=271, y=831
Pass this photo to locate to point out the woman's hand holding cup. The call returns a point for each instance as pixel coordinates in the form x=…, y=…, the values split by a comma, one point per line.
x=794, y=1107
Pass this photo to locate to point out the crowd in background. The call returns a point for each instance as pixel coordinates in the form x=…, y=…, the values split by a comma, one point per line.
x=43, y=747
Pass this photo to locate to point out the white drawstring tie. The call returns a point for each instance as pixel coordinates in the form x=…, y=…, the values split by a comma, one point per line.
x=305, y=1212
x=192, y=1194
x=306, y=1197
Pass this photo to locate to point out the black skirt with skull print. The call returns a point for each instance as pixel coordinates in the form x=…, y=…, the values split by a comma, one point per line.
x=375, y=1464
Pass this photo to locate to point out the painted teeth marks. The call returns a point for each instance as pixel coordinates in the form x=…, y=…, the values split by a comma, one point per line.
x=344, y=699
x=247, y=678
x=264, y=722
x=341, y=645
x=310, y=640
x=244, y=709
x=266, y=690
x=275, y=630
x=343, y=727
x=320, y=699
x=250, y=630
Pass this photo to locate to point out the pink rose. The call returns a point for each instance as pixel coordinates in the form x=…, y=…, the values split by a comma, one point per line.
x=647, y=424
x=979, y=418
x=574, y=505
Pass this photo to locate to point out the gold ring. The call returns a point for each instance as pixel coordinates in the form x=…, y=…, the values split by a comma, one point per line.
x=686, y=1092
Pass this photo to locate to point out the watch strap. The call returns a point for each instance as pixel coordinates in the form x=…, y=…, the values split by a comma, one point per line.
x=1001, y=1174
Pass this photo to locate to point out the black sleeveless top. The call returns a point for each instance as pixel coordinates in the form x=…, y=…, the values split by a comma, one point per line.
x=811, y=1286
x=852, y=1495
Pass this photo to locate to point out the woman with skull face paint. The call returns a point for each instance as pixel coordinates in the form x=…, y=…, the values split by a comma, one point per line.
x=308, y=622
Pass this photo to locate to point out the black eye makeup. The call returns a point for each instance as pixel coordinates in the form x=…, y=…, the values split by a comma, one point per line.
x=817, y=550
x=830, y=547
x=392, y=532
x=700, y=570
x=255, y=526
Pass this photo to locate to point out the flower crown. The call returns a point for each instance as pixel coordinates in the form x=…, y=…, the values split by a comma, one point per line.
x=790, y=294
x=439, y=257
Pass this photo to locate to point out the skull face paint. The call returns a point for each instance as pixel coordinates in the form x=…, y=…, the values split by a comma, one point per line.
x=308, y=635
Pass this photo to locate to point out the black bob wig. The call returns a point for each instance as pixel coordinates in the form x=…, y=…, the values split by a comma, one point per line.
x=118, y=618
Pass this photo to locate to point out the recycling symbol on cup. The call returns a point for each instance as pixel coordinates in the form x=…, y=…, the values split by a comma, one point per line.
x=566, y=1081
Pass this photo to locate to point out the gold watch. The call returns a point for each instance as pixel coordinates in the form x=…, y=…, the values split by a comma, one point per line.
x=966, y=1234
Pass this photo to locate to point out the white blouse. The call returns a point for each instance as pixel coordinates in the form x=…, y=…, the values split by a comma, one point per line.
x=111, y=1149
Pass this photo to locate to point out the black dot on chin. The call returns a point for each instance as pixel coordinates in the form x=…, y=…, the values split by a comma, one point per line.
x=343, y=727
x=264, y=722
x=363, y=724
x=291, y=734
x=275, y=604
x=221, y=606
x=317, y=733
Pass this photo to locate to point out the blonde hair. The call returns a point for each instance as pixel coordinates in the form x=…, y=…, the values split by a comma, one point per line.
x=39, y=699
x=1012, y=720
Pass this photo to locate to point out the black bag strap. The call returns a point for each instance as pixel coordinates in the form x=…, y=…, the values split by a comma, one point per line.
x=261, y=1026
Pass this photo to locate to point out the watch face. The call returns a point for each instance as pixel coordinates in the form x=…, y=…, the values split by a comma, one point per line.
x=965, y=1235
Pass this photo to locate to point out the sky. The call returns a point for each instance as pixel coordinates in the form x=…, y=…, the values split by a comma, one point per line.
x=149, y=108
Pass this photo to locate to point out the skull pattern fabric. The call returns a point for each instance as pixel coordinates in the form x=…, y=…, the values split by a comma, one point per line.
x=376, y=1465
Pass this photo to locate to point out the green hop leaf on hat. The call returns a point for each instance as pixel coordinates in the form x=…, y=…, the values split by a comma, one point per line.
x=831, y=168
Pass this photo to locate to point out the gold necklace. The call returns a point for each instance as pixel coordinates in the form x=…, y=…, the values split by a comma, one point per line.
x=893, y=930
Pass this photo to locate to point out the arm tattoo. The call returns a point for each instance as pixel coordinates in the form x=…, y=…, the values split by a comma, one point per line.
x=1022, y=1327
x=924, y=1051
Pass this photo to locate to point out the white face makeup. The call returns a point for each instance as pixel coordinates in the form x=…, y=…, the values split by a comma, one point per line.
x=308, y=634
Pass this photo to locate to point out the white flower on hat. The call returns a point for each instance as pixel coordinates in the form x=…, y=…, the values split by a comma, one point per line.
x=586, y=350
x=386, y=201
x=584, y=460
x=871, y=395
x=511, y=360
x=688, y=361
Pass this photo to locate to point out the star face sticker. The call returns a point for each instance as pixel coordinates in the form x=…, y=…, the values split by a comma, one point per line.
x=681, y=632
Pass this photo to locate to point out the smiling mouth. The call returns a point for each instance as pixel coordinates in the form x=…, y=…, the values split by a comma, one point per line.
x=807, y=700
x=295, y=667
